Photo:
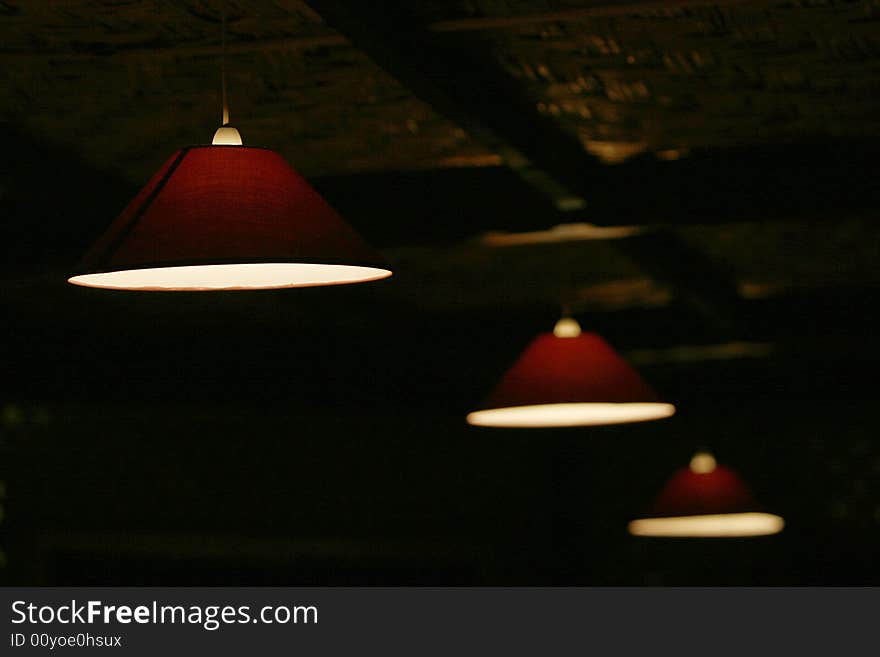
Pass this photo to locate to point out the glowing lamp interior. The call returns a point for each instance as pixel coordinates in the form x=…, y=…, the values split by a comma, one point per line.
x=570, y=414
x=247, y=276
x=720, y=525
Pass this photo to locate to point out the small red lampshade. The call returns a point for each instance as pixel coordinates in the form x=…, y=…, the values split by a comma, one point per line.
x=568, y=378
x=224, y=218
x=705, y=500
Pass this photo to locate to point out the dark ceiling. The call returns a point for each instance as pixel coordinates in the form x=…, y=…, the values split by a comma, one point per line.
x=695, y=180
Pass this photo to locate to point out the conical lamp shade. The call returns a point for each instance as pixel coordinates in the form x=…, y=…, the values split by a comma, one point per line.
x=226, y=218
x=705, y=500
x=566, y=379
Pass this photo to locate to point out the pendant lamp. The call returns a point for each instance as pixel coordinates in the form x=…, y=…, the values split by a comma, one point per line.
x=705, y=499
x=227, y=217
x=566, y=379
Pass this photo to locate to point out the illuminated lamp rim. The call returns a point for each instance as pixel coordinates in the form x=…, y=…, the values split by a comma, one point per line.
x=495, y=417
x=371, y=272
x=740, y=524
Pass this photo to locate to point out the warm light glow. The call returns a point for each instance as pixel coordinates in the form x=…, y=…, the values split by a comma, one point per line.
x=703, y=463
x=573, y=232
x=614, y=152
x=579, y=414
x=567, y=328
x=709, y=526
x=250, y=276
x=226, y=135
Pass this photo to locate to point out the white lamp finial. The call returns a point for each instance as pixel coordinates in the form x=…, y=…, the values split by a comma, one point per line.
x=226, y=135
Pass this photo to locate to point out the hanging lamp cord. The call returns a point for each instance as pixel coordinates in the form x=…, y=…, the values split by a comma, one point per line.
x=223, y=62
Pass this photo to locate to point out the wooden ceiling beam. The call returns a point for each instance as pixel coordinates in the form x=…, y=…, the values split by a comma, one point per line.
x=468, y=87
x=606, y=9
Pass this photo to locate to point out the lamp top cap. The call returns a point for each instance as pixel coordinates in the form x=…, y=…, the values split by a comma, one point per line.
x=226, y=135
x=567, y=328
x=703, y=463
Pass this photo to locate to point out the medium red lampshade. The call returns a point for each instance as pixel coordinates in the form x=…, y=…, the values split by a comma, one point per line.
x=227, y=218
x=705, y=500
x=566, y=379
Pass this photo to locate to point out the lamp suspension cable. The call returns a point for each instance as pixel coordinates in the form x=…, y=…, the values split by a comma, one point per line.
x=566, y=326
x=225, y=119
x=226, y=135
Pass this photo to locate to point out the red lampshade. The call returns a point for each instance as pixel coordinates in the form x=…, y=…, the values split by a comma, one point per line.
x=568, y=378
x=705, y=500
x=224, y=218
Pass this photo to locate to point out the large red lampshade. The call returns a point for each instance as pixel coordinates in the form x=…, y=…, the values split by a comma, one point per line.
x=227, y=218
x=566, y=379
x=705, y=499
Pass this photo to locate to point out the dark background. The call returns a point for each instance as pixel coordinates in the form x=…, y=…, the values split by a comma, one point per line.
x=317, y=436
